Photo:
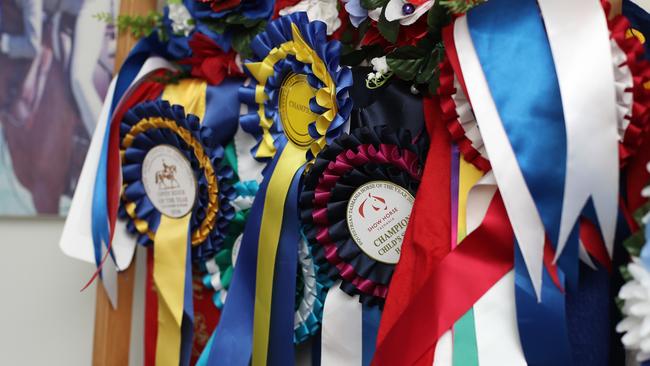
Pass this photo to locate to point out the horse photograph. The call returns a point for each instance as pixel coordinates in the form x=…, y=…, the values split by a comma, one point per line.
x=53, y=78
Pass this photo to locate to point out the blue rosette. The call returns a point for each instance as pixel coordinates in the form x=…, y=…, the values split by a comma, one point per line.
x=263, y=93
x=311, y=289
x=150, y=124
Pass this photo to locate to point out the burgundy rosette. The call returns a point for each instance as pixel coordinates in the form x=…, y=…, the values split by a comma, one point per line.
x=365, y=155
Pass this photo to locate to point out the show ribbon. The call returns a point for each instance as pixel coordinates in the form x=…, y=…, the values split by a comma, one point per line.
x=176, y=196
x=297, y=104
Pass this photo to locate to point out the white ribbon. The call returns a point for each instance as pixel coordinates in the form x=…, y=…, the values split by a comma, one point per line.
x=76, y=239
x=579, y=39
x=526, y=222
x=341, y=335
x=495, y=314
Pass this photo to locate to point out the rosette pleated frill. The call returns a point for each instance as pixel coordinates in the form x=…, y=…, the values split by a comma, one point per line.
x=292, y=44
x=156, y=123
x=365, y=155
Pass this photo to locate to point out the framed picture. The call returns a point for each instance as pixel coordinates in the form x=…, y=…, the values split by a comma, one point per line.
x=56, y=62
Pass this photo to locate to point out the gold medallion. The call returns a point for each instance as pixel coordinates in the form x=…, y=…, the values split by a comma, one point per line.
x=295, y=113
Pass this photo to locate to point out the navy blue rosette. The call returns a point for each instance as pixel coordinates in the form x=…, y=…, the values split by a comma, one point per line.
x=365, y=155
x=263, y=117
x=211, y=213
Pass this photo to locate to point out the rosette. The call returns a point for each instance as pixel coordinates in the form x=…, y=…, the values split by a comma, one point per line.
x=175, y=196
x=294, y=53
x=311, y=289
x=349, y=162
x=220, y=267
x=297, y=103
x=151, y=124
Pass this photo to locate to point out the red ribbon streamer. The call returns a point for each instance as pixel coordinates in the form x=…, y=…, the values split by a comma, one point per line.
x=428, y=236
x=451, y=289
x=148, y=90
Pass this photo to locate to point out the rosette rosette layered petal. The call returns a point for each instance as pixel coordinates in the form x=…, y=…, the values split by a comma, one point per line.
x=158, y=123
x=365, y=155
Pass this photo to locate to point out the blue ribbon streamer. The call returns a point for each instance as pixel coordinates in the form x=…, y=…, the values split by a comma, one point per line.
x=233, y=340
x=532, y=115
x=542, y=325
x=531, y=112
x=370, y=317
x=281, y=335
x=99, y=214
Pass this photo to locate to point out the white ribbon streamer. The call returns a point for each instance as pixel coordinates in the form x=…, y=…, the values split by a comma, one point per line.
x=76, y=239
x=526, y=222
x=579, y=40
x=341, y=335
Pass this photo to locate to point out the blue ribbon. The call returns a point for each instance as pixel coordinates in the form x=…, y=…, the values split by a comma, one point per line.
x=281, y=335
x=542, y=325
x=512, y=45
x=370, y=317
x=233, y=339
x=99, y=214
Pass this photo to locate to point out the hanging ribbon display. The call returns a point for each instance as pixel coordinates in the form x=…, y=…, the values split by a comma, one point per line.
x=297, y=104
x=176, y=196
x=353, y=207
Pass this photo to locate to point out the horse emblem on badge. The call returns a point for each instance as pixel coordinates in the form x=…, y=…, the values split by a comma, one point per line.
x=167, y=174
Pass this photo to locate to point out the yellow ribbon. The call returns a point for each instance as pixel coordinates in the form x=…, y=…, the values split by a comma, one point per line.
x=169, y=256
x=290, y=160
x=171, y=247
x=293, y=156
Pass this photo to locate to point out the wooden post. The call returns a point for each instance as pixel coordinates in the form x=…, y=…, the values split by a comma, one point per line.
x=113, y=326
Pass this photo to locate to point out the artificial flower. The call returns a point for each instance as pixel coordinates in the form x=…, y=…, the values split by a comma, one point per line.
x=636, y=309
x=357, y=12
x=324, y=10
x=210, y=62
x=221, y=5
x=407, y=12
x=182, y=22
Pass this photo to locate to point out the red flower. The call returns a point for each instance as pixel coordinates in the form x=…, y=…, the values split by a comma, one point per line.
x=407, y=36
x=281, y=4
x=209, y=61
x=221, y=5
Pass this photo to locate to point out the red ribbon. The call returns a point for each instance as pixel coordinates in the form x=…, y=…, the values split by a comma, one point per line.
x=428, y=236
x=451, y=289
x=148, y=90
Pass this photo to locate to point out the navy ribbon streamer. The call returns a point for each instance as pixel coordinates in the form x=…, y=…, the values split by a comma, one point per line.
x=233, y=338
x=281, y=345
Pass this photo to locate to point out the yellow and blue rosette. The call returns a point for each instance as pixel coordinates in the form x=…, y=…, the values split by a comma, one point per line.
x=297, y=103
x=176, y=196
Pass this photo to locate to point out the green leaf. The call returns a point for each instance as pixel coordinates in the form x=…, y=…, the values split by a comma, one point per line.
x=241, y=39
x=389, y=30
x=408, y=52
x=354, y=57
x=405, y=69
x=437, y=18
x=373, y=4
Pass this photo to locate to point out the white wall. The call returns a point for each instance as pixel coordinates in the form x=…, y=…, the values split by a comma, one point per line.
x=44, y=319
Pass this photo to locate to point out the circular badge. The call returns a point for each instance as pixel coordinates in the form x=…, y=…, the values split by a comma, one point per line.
x=377, y=215
x=295, y=113
x=169, y=181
